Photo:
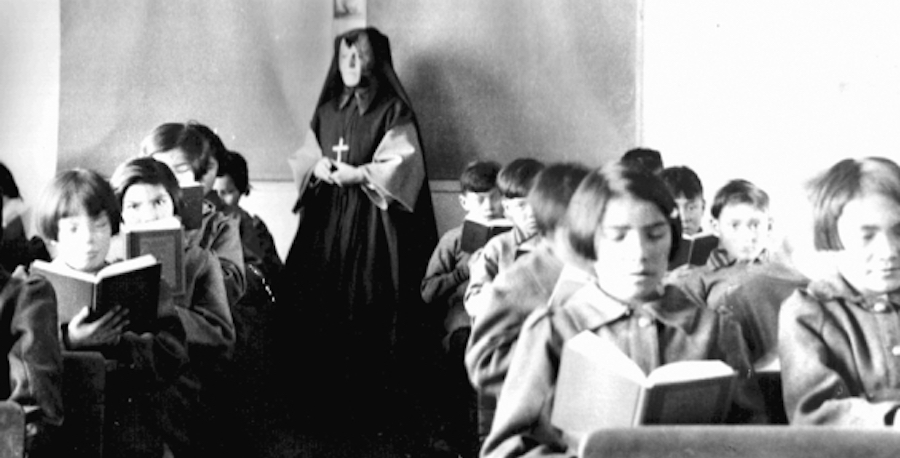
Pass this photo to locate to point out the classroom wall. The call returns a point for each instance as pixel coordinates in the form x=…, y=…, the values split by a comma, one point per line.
x=766, y=90
x=29, y=91
x=503, y=79
x=770, y=91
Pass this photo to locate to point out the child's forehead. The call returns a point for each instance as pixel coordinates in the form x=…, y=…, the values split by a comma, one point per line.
x=489, y=193
x=683, y=198
x=736, y=210
x=77, y=215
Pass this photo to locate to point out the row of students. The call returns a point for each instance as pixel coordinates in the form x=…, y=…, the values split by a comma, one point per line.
x=624, y=225
x=169, y=389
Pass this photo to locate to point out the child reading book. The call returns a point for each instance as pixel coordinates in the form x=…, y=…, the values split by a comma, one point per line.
x=445, y=283
x=151, y=389
x=33, y=361
x=531, y=281
x=190, y=150
x=686, y=188
x=448, y=270
x=626, y=222
x=514, y=181
x=838, y=338
x=149, y=191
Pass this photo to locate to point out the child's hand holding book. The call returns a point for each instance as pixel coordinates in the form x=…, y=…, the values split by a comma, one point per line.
x=106, y=330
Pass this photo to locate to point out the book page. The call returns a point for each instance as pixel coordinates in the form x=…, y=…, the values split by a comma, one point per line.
x=127, y=265
x=62, y=269
x=689, y=370
x=597, y=386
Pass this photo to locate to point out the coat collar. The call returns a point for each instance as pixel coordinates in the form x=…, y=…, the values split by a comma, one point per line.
x=837, y=288
x=363, y=95
x=672, y=308
x=719, y=259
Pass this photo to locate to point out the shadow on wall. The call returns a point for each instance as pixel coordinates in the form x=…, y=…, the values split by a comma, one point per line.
x=466, y=114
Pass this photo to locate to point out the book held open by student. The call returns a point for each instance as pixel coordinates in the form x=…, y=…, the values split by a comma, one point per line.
x=476, y=233
x=132, y=284
x=599, y=386
x=164, y=239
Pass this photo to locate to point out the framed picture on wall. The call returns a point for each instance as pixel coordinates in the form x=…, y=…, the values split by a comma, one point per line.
x=349, y=14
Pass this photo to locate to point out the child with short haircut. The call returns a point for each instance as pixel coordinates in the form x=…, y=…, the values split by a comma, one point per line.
x=546, y=275
x=151, y=387
x=447, y=274
x=33, y=361
x=741, y=219
x=839, y=338
x=531, y=281
x=443, y=288
x=686, y=188
x=623, y=220
x=741, y=265
x=514, y=182
x=233, y=183
x=148, y=191
x=645, y=158
x=190, y=150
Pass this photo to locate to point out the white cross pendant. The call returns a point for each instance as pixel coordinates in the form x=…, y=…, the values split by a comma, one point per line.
x=341, y=147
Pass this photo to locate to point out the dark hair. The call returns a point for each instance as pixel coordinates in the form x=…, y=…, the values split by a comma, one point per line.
x=847, y=180
x=646, y=158
x=739, y=192
x=146, y=170
x=479, y=176
x=190, y=137
x=553, y=189
x=588, y=204
x=682, y=181
x=219, y=151
x=8, y=186
x=235, y=166
x=516, y=178
x=72, y=193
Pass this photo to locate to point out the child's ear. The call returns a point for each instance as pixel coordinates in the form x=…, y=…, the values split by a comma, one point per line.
x=462, y=201
x=714, y=225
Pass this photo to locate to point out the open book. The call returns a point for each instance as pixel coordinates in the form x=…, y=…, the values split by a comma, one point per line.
x=476, y=233
x=694, y=250
x=133, y=284
x=164, y=239
x=599, y=386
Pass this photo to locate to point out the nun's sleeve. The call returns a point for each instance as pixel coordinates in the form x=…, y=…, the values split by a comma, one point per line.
x=304, y=161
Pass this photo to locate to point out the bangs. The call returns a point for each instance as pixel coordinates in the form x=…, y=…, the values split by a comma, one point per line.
x=77, y=192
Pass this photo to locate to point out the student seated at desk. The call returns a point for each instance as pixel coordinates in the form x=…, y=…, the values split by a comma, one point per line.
x=687, y=189
x=149, y=191
x=742, y=222
x=551, y=272
x=626, y=222
x=514, y=181
x=33, y=362
x=190, y=150
x=151, y=389
x=839, y=338
x=442, y=289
